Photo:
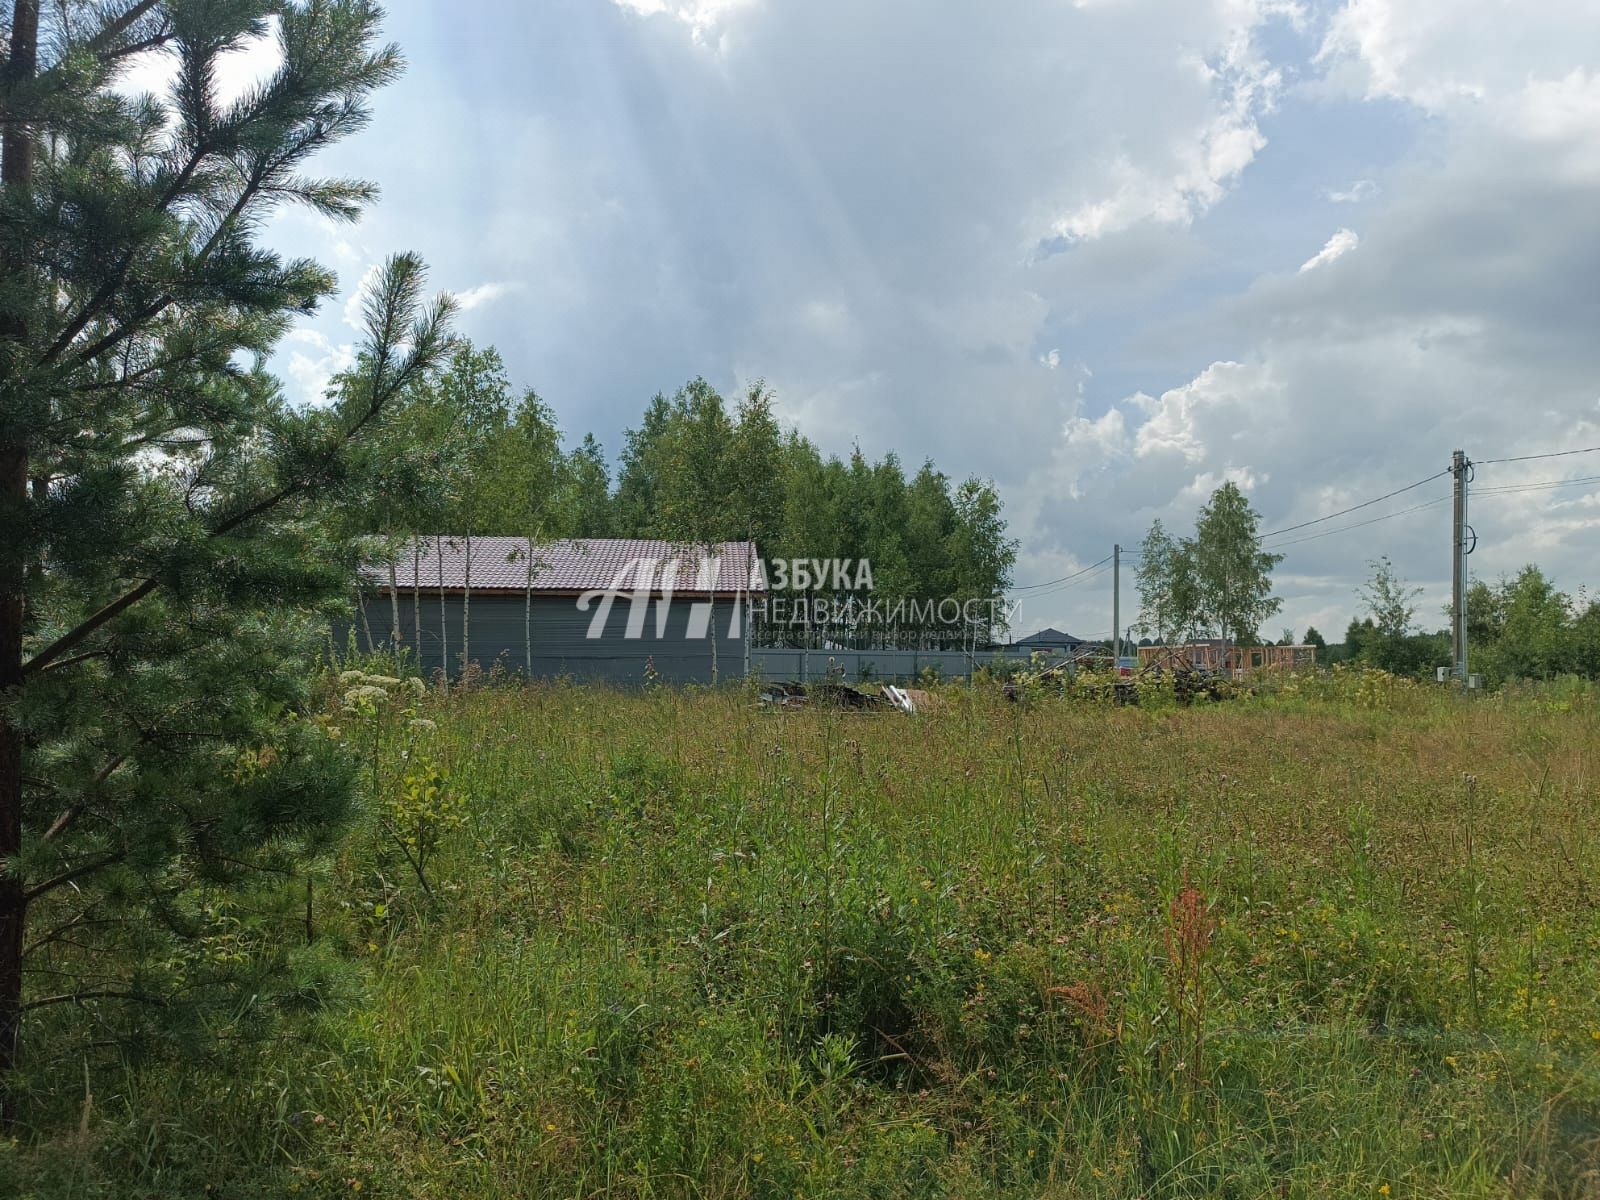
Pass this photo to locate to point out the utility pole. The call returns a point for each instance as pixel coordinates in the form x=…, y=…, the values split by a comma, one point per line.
x=1116, y=605
x=1461, y=473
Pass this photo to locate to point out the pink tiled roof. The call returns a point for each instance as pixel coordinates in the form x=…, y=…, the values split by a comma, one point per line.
x=569, y=565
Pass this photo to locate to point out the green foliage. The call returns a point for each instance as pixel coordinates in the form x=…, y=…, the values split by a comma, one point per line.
x=165, y=570
x=1218, y=581
x=1524, y=628
x=1386, y=637
x=1233, y=573
x=1169, y=595
x=694, y=473
x=685, y=947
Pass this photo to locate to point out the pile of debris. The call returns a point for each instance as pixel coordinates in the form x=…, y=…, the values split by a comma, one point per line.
x=843, y=695
x=1189, y=682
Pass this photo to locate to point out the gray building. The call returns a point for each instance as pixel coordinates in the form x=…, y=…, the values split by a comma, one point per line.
x=1048, y=641
x=606, y=609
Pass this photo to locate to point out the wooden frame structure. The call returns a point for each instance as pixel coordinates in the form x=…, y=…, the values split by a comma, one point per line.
x=1207, y=655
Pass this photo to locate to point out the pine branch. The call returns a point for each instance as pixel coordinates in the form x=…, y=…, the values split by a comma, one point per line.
x=78, y=658
x=81, y=921
x=105, y=41
x=66, y=877
x=70, y=814
x=388, y=312
x=102, y=994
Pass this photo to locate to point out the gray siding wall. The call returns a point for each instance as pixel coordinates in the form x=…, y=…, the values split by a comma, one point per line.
x=561, y=645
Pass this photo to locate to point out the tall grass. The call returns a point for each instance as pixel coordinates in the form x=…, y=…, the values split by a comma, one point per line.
x=679, y=946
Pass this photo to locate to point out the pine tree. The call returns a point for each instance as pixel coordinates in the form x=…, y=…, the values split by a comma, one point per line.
x=163, y=565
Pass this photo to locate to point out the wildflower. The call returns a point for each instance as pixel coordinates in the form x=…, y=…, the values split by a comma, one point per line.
x=1384, y=1190
x=366, y=692
x=422, y=725
x=549, y=1127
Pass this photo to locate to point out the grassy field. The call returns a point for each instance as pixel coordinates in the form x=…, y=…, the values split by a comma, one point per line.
x=1338, y=940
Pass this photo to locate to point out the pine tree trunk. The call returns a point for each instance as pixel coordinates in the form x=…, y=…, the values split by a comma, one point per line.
x=527, y=620
x=466, y=611
x=16, y=177
x=416, y=596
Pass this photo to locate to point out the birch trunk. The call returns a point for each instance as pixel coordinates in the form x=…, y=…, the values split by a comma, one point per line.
x=444, y=625
x=466, y=611
x=416, y=596
x=395, y=637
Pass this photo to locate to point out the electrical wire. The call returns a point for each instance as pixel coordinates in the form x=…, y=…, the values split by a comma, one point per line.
x=1067, y=587
x=1360, y=524
x=1542, y=485
x=1530, y=457
x=1352, y=508
x=1052, y=582
x=1092, y=571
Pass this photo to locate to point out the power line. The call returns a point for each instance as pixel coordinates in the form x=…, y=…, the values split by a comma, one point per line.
x=1359, y=524
x=1093, y=570
x=1530, y=457
x=1540, y=485
x=1067, y=587
x=1353, y=507
x=1052, y=582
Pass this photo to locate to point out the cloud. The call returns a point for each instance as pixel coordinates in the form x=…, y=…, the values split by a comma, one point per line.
x=486, y=293
x=1448, y=56
x=906, y=218
x=310, y=360
x=702, y=17
x=1341, y=243
x=1360, y=190
x=355, y=298
x=153, y=71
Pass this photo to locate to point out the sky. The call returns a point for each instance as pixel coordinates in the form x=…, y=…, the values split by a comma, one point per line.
x=1106, y=253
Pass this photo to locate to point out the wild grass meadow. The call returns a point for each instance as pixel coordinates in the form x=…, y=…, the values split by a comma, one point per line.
x=1339, y=939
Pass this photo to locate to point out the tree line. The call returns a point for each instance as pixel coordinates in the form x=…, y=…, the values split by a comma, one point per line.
x=1519, y=627
x=463, y=453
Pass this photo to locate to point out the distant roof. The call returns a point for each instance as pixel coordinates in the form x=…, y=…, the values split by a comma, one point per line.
x=568, y=565
x=1049, y=637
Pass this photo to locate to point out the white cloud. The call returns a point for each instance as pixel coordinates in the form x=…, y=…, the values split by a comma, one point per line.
x=1052, y=359
x=703, y=17
x=1341, y=243
x=310, y=360
x=1359, y=191
x=1451, y=55
x=486, y=293
x=356, y=297
x=153, y=71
